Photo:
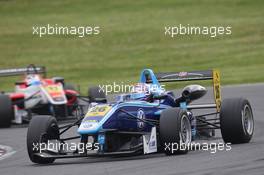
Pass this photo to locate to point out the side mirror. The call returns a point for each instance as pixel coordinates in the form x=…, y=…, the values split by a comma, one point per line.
x=58, y=80
x=193, y=92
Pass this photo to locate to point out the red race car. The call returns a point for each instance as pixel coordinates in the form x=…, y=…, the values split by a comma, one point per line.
x=36, y=95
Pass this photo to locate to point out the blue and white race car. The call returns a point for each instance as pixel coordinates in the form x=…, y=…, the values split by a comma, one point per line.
x=148, y=119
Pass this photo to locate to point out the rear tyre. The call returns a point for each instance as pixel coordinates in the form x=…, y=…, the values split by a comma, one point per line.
x=175, y=131
x=236, y=120
x=6, y=111
x=95, y=94
x=40, y=130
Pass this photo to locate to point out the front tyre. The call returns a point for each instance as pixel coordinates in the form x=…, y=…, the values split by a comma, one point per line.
x=6, y=111
x=40, y=130
x=175, y=131
x=236, y=120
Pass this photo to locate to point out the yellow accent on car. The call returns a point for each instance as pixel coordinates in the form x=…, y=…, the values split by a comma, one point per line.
x=217, y=89
x=100, y=110
x=53, y=88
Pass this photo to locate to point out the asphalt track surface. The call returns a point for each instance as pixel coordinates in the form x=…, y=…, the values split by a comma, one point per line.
x=242, y=159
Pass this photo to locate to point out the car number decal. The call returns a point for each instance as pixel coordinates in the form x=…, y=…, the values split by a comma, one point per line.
x=54, y=90
x=98, y=111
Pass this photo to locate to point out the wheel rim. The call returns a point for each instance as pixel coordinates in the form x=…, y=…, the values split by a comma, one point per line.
x=185, y=134
x=247, y=120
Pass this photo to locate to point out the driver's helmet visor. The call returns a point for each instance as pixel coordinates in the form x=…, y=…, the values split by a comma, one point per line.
x=140, y=88
x=33, y=79
x=135, y=96
x=139, y=91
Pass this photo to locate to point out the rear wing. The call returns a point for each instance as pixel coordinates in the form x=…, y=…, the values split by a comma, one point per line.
x=184, y=76
x=213, y=75
x=21, y=71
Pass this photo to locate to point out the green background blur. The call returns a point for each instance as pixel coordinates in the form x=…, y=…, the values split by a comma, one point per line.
x=132, y=38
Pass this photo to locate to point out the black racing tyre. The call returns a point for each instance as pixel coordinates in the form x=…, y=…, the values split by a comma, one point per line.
x=236, y=120
x=6, y=111
x=175, y=131
x=95, y=94
x=41, y=129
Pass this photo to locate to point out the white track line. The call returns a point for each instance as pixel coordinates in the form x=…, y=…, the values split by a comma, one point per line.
x=9, y=152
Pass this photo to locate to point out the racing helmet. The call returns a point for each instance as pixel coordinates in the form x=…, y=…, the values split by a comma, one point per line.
x=32, y=79
x=140, y=91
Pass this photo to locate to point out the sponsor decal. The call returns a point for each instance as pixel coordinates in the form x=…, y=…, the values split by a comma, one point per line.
x=99, y=110
x=54, y=90
x=88, y=125
x=150, y=142
x=140, y=116
x=91, y=121
x=183, y=74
